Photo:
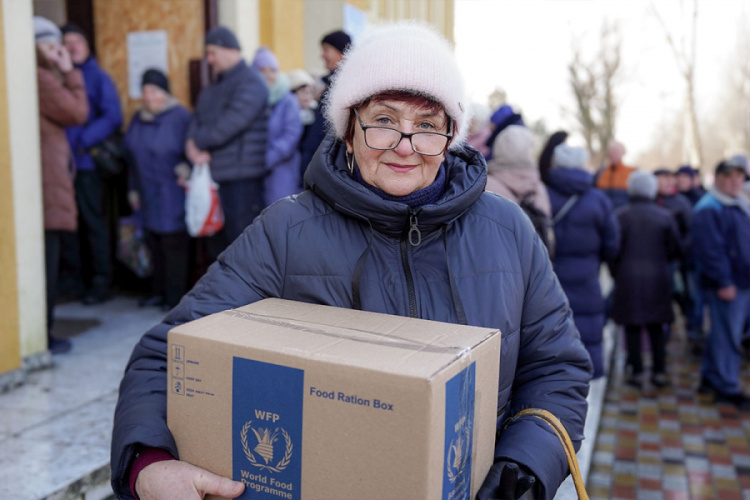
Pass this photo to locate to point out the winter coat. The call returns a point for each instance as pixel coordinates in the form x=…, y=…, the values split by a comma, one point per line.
x=613, y=180
x=282, y=156
x=514, y=183
x=479, y=263
x=231, y=123
x=104, y=118
x=314, y=133
x=62, y=103
x=157, y=144
x=693, y=194
x=681, y=209
x=587, y=236
x=721, y=246
x=643, y=280
x=512, y=172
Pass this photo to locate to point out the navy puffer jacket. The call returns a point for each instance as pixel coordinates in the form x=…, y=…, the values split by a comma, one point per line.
x=231, y=123
x=479, y=262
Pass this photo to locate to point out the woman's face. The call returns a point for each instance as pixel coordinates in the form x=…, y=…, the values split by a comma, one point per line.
x=154, y=98
x=399, y=171
x=304, y=96
x=270, y=75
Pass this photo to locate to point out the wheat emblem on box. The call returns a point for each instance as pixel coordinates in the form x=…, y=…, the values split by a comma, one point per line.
x=266, y=439
x=458, y=454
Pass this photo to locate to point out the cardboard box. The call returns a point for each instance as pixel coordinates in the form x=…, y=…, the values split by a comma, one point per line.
x=301, y=401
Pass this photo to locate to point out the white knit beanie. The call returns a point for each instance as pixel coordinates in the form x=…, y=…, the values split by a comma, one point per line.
x=46, y=31
x=406, y=55
x=512, y=150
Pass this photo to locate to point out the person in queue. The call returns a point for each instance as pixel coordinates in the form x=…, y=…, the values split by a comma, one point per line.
x=393, y=198
x=156, y=140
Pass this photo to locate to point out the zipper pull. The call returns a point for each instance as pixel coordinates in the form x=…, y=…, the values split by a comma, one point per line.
x=415, y=235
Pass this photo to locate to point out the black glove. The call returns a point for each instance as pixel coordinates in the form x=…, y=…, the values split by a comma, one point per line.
x=507, y=480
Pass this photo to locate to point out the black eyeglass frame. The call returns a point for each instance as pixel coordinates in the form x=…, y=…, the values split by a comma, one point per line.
x=364, y=127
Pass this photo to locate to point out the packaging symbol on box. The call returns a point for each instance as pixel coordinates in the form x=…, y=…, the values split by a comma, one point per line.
x=302, y=401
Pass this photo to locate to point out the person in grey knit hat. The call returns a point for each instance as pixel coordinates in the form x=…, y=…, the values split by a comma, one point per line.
x=643, y=278
x=642, y=184
x=395, y=219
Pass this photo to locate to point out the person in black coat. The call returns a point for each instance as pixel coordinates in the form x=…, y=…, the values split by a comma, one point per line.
x=643, y=285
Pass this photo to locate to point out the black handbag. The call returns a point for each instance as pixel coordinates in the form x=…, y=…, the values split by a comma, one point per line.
x=109, y=156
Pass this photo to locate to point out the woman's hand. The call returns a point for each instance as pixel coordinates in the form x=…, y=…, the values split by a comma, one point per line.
x=62, y=59
x=172, y=479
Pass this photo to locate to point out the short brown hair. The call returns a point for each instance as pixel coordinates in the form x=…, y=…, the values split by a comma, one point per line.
x=409, y=98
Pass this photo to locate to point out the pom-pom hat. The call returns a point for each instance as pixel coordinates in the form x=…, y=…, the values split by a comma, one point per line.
x=407, y=56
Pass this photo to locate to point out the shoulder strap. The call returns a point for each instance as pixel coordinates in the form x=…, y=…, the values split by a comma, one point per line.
x=562, y=434
x=565, y=209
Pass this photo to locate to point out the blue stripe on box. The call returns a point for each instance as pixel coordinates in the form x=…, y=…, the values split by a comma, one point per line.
x=459, y=434
x=267, y=429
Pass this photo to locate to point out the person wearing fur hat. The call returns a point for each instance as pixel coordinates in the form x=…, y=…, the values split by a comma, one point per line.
x=284, y=131
x=586, y=234
x=722, y=255
x=156, y=139
x=643, y=280
x=395, y=219
x=62, y=103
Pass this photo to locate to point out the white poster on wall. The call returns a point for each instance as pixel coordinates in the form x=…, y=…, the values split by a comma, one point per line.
x=146, y=50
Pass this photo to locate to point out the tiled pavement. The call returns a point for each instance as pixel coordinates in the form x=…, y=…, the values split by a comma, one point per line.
x=671, y=443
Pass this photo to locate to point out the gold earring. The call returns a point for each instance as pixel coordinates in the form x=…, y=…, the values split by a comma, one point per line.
x=350, y=163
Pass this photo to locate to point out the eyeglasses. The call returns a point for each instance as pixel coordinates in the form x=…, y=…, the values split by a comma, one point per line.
x=424, y=143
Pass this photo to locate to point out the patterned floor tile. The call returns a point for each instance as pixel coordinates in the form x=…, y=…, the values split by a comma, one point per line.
x=671, y=444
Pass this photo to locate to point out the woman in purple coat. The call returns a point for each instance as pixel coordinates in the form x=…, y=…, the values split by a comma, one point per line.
x=284, y=131
x=156, y=139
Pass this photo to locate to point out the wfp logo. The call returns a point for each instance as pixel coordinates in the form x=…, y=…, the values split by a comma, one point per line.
x=267, y=444
x=458, y=454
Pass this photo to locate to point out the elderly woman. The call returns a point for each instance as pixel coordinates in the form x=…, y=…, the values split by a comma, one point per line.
x=284, y=131
x=395, y=220
x=643, y=282
x=156, y=139
x=62, y=103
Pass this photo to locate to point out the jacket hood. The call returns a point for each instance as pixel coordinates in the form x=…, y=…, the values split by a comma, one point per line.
x=569, y=181
x=328, y=176
x=517, y=181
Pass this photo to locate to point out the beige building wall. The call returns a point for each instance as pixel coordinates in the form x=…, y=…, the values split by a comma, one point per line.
x=183, y=22
x=243, y=18
x=324, y=16
x=10, y=348
x=27, y=236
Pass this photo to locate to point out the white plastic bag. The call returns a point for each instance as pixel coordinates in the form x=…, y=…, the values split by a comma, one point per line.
x=203, y=214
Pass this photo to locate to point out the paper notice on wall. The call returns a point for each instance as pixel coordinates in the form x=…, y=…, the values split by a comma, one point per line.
x=146, y=50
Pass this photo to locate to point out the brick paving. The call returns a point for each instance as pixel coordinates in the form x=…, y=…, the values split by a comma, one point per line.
x=671, y=443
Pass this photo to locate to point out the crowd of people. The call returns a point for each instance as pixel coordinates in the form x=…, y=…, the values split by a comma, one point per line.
x=664, y=238
x=257, y=127
x=490, y=234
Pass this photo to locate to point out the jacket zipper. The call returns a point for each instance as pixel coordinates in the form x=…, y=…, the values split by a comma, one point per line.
x=413, y=237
